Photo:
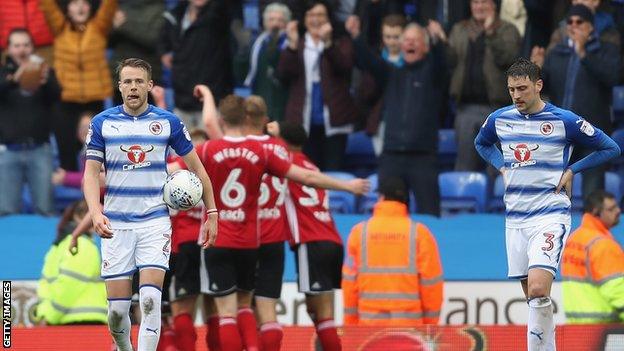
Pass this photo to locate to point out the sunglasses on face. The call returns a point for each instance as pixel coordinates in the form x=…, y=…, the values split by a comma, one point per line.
x=577, y=21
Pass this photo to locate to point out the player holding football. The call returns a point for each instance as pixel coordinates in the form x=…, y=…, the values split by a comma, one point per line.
x=184, y=262
x=537, y=140
x=237, y=165
x=131, y=141
x=318, y=247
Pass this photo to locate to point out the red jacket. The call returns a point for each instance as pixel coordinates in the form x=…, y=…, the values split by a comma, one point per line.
x=24, y=14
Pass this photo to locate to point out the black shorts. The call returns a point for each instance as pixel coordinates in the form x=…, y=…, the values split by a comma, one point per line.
x=270, y=270
x=184, y=265
x=225, y=270
x=319, y=266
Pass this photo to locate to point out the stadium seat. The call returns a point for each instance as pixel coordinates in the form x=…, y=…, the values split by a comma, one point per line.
x=64, y=196
x=251, y=15
x=613, y=184
x=447, y=149
x=341, y=201
x=368, y=201
x=360, y=158
x=242, y=91
x=618, y=98
x=463, y=191
x=496, y=203
x=618, y=105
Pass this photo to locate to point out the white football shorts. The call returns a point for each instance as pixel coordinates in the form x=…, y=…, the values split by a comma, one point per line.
x=132, y=249
x=540, y=246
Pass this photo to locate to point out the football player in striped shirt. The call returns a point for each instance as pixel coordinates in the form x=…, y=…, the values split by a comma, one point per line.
x=536, y=139
x=131, y=141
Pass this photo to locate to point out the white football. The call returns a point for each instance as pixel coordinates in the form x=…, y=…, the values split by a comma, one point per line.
x=182, y=190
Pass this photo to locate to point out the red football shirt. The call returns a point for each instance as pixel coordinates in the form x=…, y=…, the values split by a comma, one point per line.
x=185, y=225
x=308, y=209
x=272, y=215
x=236, y=166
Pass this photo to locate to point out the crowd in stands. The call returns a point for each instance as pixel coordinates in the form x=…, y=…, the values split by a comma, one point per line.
x=382, y=87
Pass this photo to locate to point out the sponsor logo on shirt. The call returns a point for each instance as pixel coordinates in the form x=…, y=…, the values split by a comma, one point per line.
x=522, y=153
x=136, y=154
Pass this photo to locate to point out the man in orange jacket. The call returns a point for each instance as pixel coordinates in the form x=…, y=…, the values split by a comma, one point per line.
x=392, y=275
x=593, y=265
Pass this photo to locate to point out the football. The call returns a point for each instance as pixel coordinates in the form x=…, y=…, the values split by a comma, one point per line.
x=182, y=190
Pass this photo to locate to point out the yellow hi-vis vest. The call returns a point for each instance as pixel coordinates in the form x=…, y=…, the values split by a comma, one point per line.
x=77, y=294
x=593, y=275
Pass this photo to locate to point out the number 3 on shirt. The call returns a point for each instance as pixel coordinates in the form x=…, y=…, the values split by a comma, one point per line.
x=233, y=192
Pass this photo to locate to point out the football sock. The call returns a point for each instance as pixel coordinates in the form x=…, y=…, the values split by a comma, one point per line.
x=248, y=330
x=119, y=323
x=327, y=334
x=186, y=336
x=229, y=337
x=167, y=340
x=212, y=336
x=541, y=326
x=271, y=336
x=149, y=330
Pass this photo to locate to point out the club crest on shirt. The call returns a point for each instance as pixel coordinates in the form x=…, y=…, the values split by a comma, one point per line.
x=136, y=154
x=155, y=128
x=522, y=154
x=546, y=128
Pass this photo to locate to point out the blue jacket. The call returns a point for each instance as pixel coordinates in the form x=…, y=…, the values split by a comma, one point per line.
x=583, y=86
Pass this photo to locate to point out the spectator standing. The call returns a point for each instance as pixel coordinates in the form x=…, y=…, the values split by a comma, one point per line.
x=604, y=25
x=368, y=96
x=28, y=91
x=80, y=39
x=579, y=74
x=26, y=14
x=593, y=265
x=264, y=58
x=412, y=97
x=195, y=45
x=479, y=50
x=392, y=274
x=136, y=31
x=317, y=69
x=73, y=179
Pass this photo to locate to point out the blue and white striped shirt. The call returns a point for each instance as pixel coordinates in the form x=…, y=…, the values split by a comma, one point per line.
x=536, y=150
x=133, y=150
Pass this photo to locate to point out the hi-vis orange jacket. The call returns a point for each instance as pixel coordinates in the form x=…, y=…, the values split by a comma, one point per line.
x=392, y=275
x=593, y=275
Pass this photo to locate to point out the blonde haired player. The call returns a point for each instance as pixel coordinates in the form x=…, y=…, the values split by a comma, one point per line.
x=131, y=141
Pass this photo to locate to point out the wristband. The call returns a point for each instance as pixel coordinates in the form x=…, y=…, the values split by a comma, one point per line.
x=212, y=210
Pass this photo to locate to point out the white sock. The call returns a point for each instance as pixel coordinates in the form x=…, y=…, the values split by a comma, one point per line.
x=541, y=326
x=149, y=330
x=119, y=323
